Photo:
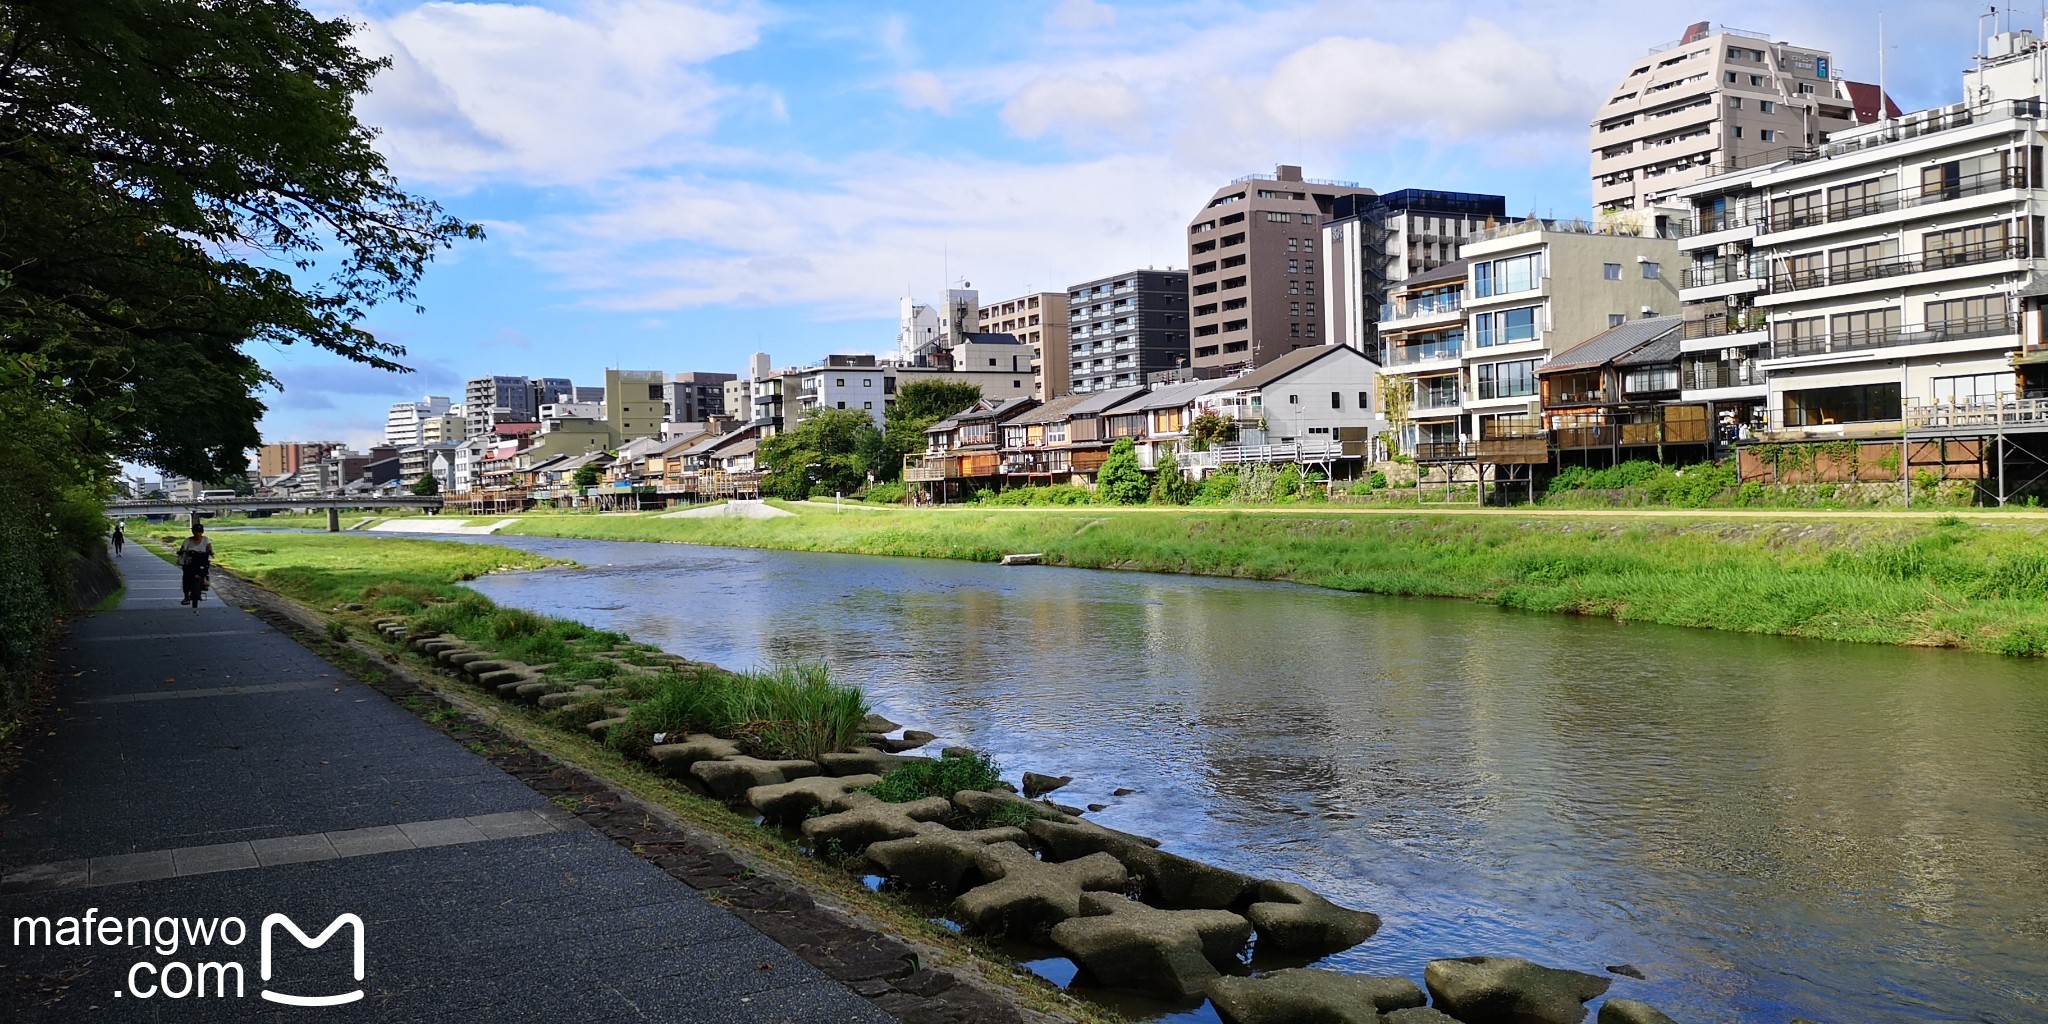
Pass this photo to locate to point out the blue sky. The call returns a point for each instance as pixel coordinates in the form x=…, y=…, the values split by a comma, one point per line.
x=674, y=184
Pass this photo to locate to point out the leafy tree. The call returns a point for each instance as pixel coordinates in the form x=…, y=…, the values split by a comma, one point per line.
x=587, y=475
x=1120, y=481
x=427, y=485
x=1170, y=486
x=918, y=405
x=1209, y=430
x=825, y=451
x=180, y=179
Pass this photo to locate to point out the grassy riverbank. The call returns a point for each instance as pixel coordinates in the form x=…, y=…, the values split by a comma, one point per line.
x=1978, y=584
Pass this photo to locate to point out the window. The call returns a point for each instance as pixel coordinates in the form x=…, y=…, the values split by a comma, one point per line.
x=1293, y=399
x=1506, y=327
x=1363, y=404
x=841, y=382
x=1976, y=387
x=1959, y=246
x=1291, y=245
x=1616, y=319
x=1308, y=266
x=1768, y=135
x=1294, y=330
x=1308, y=245
x=1503, y=277
x=1612, y=271
x=1737, y=130
x=1650, y=378
x=867, y=405
x=1734, y=102
x=1767, y=106
x=1863, y=328
x=1862, y=197
x=1294, y=287
x=1277, y=218
x=1294, y=309
x=1859, y=404
x=1861, y=262
x=1336, y=399
x=1652, y=271
x=1515, y=379
x=1294, y=266
x=842, y=405
x=1757, y=81
x=1311, y=309
x=1731, y=78
x=867, y=382
x=1311, y=287
x=1966, y=314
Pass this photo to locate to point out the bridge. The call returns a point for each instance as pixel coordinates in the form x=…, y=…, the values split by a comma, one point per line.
x=255, y=503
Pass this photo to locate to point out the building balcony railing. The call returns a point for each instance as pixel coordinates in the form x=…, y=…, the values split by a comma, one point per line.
x=1409, y=355
x=1516, y=449
x=1741, y=321
x=1596, y=396
x=1837, y=211
x=2003, y=411
x=1893, y=337
x=1874, y=270
x=1709, y=376
x=1701, y=275
x=1433, y=307
x=1706, y=222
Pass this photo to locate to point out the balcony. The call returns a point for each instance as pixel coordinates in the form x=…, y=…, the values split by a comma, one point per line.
x=1741, y=321
x=1711, y=376
x=1410, y=355
x=2002, y=412
x=1437, y=306
x=1873, y=270
x=1894, y=337
x=1837, y=211
x=1701, y=275
x=1709, y=221
x=1521, y=449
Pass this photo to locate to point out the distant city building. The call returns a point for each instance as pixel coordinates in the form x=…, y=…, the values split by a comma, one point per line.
x=635, y=403
x=288, y=457
x=1039, y=322
x=1718, y=99
x=696, y=396
x=1252, y=267
x=1125, y=327
x=402, y=424
x=1372, y=243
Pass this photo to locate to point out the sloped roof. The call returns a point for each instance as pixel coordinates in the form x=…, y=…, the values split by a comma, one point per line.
x=998, y=411
x=1452, y=271
x=991, y=339
x=747, y=446
x=1612, y=344
x=1285, y=365
x=1102, y=401
x=1177, y=394
x=1051, y=412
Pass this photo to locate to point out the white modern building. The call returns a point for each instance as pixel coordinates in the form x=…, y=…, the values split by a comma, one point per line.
x=402, y=424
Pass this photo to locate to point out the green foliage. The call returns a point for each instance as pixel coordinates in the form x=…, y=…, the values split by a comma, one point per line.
x=788, y=711
x=1120, y=481
x=1209, y=430
x=587, y=475
x=52, y=485
x=1050, y=495
x=918, y=405
x=827, y=451
x=886, y=494
x=1218, y=488
x=1170, y=486
x=1287, y=483
x=944, y=777
x=1649, y=483
x=181, y=178
x=427, y=485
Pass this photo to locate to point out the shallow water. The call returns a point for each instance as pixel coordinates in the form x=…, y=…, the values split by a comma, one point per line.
x=1766, y=828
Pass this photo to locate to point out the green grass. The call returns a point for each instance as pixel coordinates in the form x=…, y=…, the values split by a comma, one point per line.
x=942, y=777
x=1953, y=582
x=788, y=711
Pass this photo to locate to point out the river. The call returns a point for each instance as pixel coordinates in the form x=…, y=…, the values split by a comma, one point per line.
x=1766, y=828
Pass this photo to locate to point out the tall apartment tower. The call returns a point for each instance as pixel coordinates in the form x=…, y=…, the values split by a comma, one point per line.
x=1126, y=327
x=1252, y=268
x=1718, y=99
x=635, y=403
x=1373, y=244
x=696, y=396
x=1039, y=321
x=488, y=401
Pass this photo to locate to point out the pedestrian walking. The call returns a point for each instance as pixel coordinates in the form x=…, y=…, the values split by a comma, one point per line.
x=119, y=539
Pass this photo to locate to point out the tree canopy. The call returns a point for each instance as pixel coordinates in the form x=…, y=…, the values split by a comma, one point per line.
x=180, y=179
x=1121, y=481
x=827, y=450
x=918, y=405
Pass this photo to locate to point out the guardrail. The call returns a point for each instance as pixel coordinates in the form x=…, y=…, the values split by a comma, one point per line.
x=2001, y=412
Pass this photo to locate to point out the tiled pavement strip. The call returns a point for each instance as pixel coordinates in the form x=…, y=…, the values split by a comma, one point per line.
x=204, y=765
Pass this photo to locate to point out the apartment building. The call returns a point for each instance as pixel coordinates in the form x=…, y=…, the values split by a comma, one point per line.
x=288, y=457
x=1039, y=322
x=1252, y=268
x=402, y=423
x=1717, y=99
x=1889, y=281
x=1462, y=349
x=1373, y=243
x=635, y=403
x=695, y=396
x=859, y=382
x=1125, y=327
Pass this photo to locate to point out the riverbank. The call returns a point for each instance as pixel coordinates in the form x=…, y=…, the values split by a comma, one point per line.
x=1963, y=582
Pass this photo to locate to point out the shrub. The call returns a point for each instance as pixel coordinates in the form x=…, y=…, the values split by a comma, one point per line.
x=943, y=777
x=886, y=494
x=788, y=711
x=1170, y=486
x=1120, y=481
x=1287, y=483
x=1055, y=495
x=1217, y=489
x=1376, y=480
x=1359, y=489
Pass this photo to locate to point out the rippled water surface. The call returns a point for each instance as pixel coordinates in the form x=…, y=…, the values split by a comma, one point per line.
x=1766, y=828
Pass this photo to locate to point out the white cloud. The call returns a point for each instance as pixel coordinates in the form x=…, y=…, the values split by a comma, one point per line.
x=1076, y=108
x=922, y=90
x=481, y=90
x=851, y=244
x=1080, y=16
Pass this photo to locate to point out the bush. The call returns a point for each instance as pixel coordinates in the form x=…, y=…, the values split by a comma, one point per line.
x=1287, y=483
x=886, y=494
x=1376, y=480
x=943, y=777
x=1359, y=489
x=1217, y=489
x=1170, y=486
x=789, y=711
x=1054, y=495
x=1120, y=481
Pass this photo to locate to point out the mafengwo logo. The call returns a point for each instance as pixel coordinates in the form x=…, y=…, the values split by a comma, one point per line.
x=199, y=973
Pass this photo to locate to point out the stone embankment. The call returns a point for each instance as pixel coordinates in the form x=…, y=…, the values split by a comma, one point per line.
x=1129, y=914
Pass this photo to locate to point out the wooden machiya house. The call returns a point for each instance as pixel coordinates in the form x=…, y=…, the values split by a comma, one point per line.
x=1035, y=448
x=1096, y=423
x=963, y=452
x=1614, y=397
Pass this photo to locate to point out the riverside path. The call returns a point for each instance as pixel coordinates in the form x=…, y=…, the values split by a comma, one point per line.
x=205, y=767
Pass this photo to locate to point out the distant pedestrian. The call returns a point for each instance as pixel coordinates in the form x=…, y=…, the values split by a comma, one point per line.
x=195, y=557
x=119, y=539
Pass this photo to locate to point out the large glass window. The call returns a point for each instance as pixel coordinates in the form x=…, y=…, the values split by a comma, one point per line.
x=1513, y=379
x=1957, y=247
x=1976, y=387
x=1504, y=277
x=1506, y=327
x=1862, y=403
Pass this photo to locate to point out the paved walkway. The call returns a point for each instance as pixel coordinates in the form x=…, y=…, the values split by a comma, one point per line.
x=204, y=766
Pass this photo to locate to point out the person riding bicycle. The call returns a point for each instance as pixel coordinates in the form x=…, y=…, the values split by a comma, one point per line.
x=195, y=556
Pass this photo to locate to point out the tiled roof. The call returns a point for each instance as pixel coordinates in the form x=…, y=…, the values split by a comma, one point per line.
x=1613, y=343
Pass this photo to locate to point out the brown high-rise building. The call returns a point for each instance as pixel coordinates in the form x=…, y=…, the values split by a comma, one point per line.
x=1039, y=321
x=1252, y=268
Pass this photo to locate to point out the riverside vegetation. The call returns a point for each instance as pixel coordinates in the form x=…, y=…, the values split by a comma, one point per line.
x=1949, y=582
x=809, y=756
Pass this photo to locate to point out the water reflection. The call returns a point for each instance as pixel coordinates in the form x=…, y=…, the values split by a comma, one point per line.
x=1765, y=827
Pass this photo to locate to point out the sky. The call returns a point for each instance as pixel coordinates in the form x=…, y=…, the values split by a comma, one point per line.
x=675, y=184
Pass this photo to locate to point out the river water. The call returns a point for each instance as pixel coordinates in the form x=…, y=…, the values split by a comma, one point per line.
x=1765, y=828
